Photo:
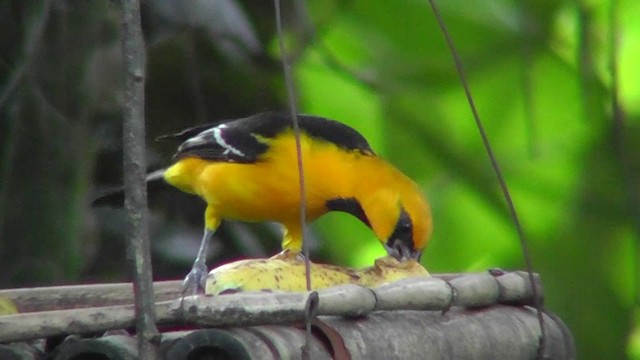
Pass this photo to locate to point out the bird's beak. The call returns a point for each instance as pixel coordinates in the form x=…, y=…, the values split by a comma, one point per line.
x=402, y=252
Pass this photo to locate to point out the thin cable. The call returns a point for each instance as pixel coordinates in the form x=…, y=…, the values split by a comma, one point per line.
x=496, y=168
x=293, y=109
x=296, y=130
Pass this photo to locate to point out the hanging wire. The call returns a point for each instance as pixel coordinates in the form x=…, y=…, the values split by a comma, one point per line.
x=496, y=168
x=292, y=100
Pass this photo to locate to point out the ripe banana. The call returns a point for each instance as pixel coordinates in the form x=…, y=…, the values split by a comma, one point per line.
x=287, y=273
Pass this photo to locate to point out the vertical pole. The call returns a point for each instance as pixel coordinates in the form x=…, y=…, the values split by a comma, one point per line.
x=135, y=203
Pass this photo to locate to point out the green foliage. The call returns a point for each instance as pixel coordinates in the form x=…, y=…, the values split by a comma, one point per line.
x=556, y=141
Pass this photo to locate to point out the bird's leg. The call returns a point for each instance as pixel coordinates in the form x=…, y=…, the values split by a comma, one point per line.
x=291, y=243
x=194, y=282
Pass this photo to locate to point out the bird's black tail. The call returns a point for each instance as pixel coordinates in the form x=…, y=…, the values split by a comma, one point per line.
x=115, y=197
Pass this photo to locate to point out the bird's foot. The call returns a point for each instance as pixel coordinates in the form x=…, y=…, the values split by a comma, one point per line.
x=289, y=254
x=194, y=282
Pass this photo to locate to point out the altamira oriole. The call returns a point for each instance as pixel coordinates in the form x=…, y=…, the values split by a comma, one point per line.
x=246, y=169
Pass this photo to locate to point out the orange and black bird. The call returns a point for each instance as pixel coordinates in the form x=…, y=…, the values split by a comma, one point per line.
x=246, y=169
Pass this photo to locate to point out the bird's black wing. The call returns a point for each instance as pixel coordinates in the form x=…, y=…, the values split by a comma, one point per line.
x=242, y=140
x=187, y=133
x=239, y=141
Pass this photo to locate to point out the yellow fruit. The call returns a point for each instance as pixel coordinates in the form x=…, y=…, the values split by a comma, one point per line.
x=288, y=274
x=388, y=269
x=7, y=306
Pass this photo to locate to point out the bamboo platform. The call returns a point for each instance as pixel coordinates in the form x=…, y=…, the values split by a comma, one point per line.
x=461, y=316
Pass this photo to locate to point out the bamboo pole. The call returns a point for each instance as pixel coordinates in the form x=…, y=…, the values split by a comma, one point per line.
x=512, y=288
x=497, y=332
x=82, y=296
x=247, y=309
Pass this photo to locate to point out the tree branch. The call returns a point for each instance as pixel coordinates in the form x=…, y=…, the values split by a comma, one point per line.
x=134, y=178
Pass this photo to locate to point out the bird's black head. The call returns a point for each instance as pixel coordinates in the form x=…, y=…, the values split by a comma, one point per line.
x=400, y=244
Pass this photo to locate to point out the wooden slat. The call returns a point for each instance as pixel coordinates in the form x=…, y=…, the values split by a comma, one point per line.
x=83, y=296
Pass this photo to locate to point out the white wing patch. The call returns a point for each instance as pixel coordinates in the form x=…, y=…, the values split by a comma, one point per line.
x=217, y=135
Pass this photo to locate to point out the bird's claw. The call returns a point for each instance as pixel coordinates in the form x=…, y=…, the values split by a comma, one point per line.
x=289, y=255
x=194, y=282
